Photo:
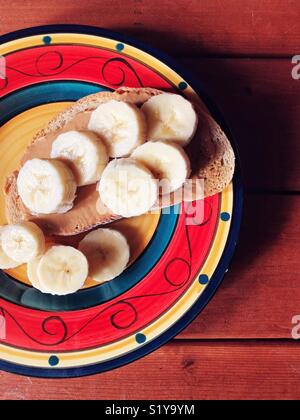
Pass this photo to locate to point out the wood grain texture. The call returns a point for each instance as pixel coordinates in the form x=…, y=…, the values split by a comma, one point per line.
x=180, y=371
x=227, y=27
x=259, y=100
x=261, y=293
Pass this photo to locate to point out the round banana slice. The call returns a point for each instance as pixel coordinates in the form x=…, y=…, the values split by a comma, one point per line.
x=46, y=186
x=167, y=161
x=62, y=270
x=23, y=242
x=85, y=153
x=170, y=117
x=121, y=125
x=108, y=254
x=128, y=188
x=32, y=273
x=5, y=262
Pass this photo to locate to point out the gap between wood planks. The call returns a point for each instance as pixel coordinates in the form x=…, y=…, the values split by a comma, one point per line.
x=201, y=370
x=260, y=294
x=214, y=27
x=223, y=340
x=259, y=100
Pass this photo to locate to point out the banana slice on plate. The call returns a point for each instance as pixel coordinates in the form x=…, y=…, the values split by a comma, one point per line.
x=121, y=125
x=108, y=254
x=85, y=152
x=128, y=188
x=5, y=262
x=22, y=242
x=170, y=117
x=32, y=273
x=61, y=271
x=46, y=186
x=167, y=161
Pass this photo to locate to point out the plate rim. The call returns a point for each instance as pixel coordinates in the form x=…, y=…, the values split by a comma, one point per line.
x=232, y=239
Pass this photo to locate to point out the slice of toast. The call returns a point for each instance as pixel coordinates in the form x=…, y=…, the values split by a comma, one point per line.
x=211, y=155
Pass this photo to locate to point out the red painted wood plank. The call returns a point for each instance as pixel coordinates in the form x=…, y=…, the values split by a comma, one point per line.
x=260, y=101
x=198, y=370
x=260, y=295
x=235, y=27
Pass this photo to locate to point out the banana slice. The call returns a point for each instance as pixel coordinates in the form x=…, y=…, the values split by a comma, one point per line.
x=46, y=186
x=108, y=254
x=85, y=152
x=62, y=270
x=6, y=262
x=128, y=188
x=170, y=117
x=32, y=273
x=23, y=242
x=121, y=125
x=167, y=161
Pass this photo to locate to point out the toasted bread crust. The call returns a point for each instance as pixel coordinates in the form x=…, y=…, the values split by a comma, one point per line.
x=210, y=151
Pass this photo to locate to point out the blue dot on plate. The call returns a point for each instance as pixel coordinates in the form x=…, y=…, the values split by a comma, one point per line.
x=225, y=217
x=53, y=361
x=120, y=47
x=182, y=85
x=47, y=40
x=140, y=338
x=203, y=279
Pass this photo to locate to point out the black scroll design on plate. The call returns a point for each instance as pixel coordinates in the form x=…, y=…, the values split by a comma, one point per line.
x=53, y=327
x=192, y=215
x=123, y=66
x=56, y=330
x=52, y=63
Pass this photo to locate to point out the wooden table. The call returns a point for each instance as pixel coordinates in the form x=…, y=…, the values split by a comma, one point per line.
x=240, y=50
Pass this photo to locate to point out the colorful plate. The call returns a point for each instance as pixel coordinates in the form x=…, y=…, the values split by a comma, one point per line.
x=178, y=260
